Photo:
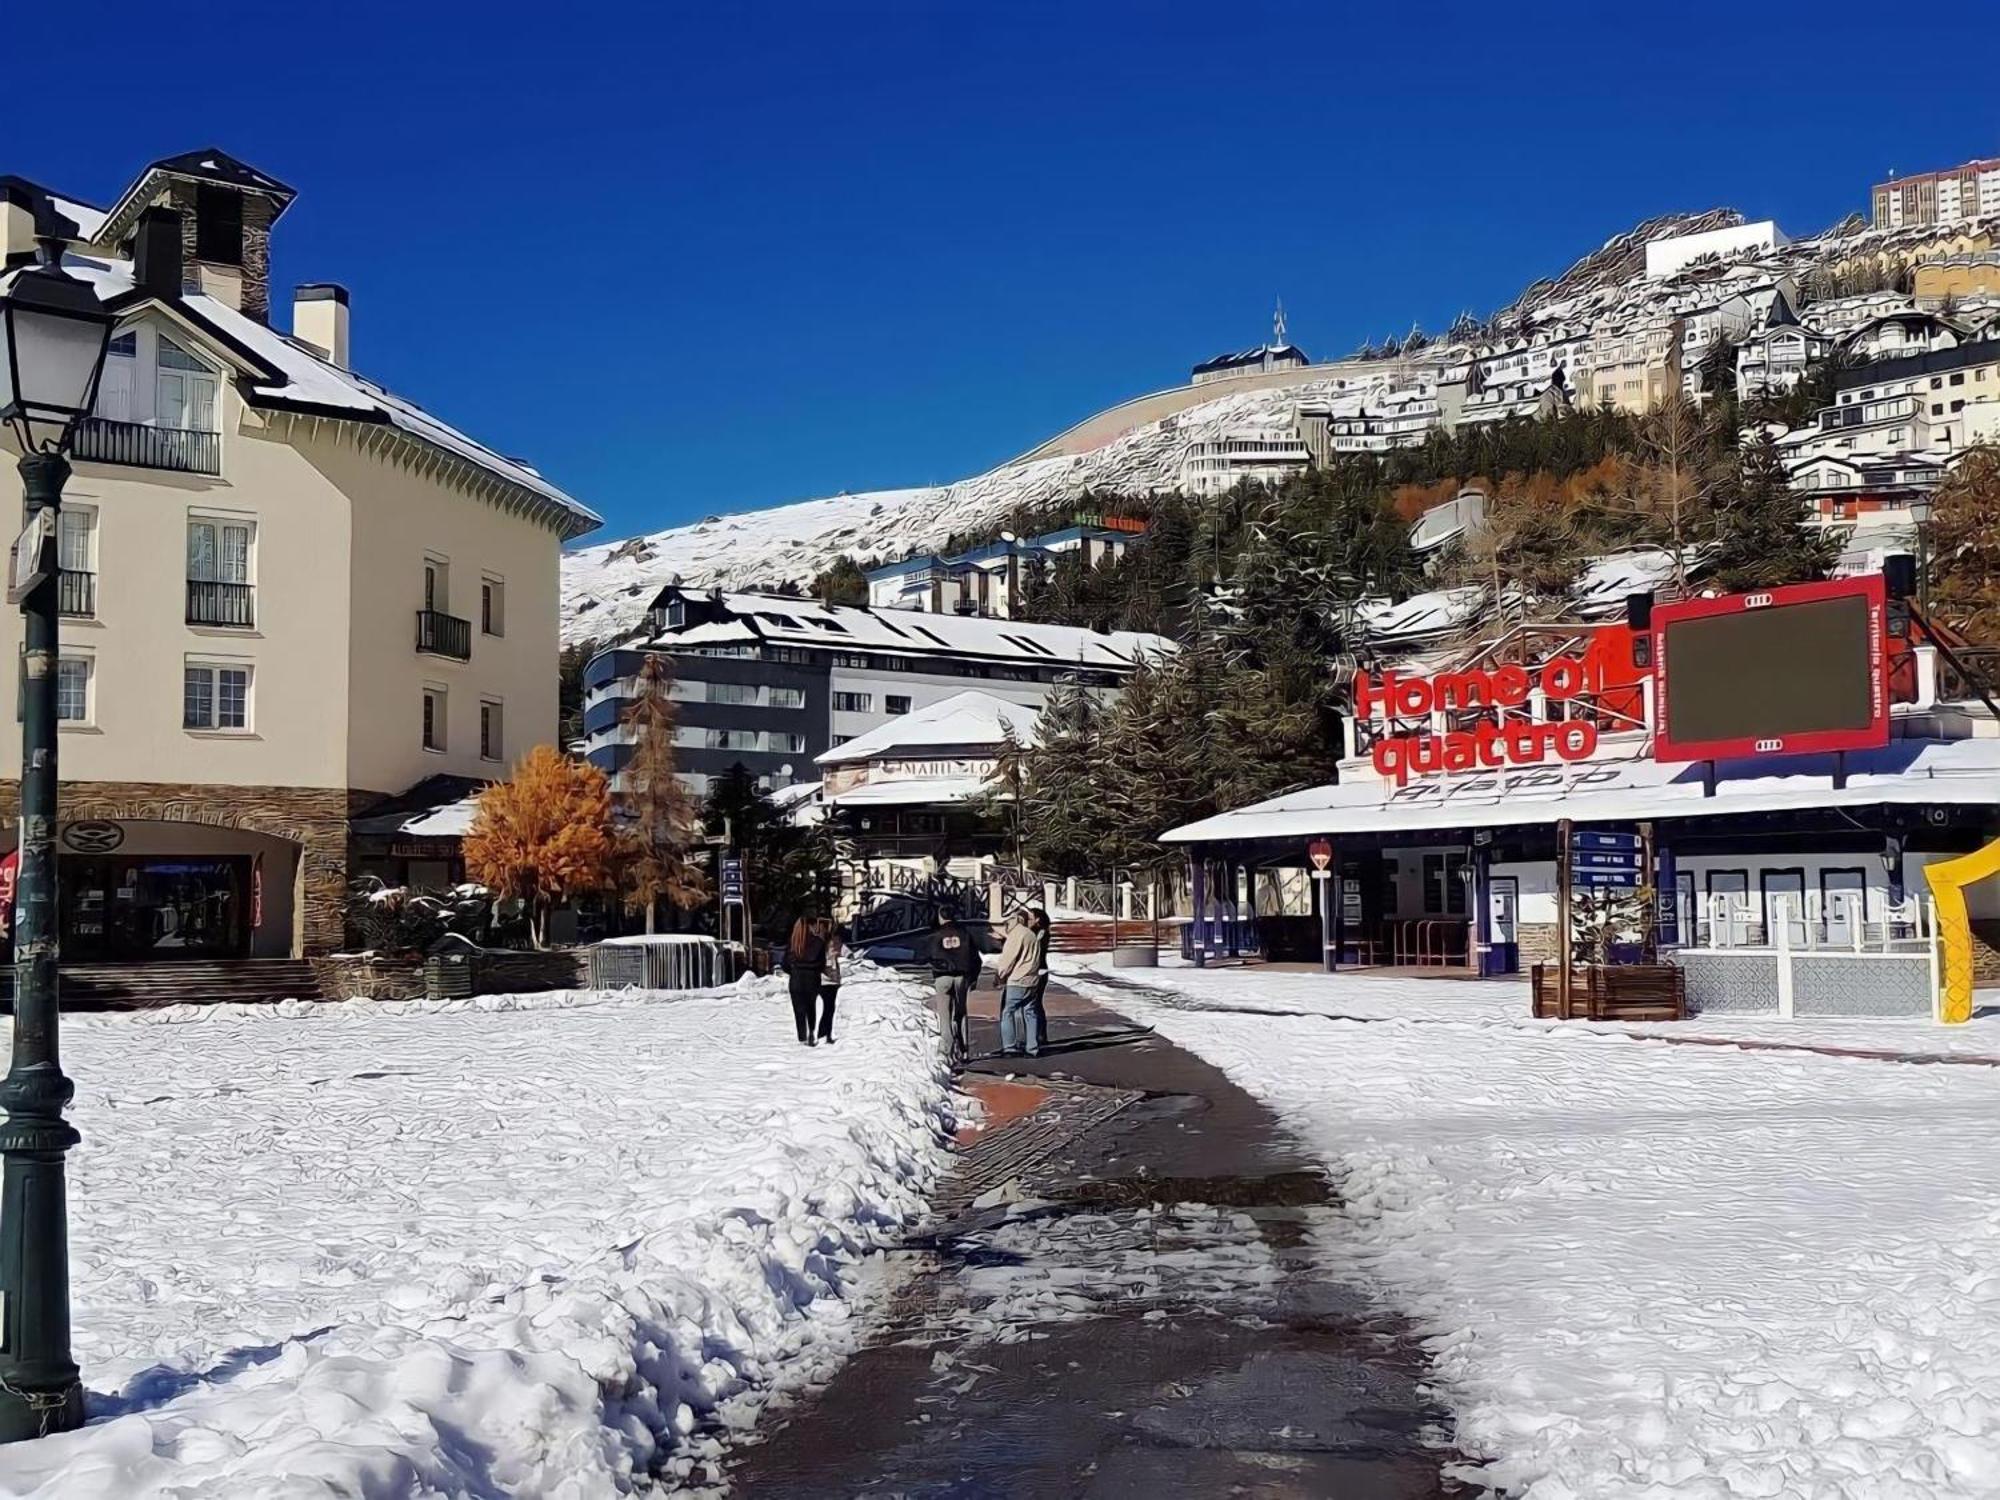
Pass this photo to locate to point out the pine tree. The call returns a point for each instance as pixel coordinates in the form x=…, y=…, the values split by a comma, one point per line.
x=545, y=836
x=662, y=822
x=1760, y=540
x=1964, y=547
x=1063, y=824
x=789, y=871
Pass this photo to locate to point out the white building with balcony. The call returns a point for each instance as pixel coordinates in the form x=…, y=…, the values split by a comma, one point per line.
x=288, y=595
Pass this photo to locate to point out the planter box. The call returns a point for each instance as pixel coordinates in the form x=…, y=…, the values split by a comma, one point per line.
x=1135, y=956
x=1613, y=992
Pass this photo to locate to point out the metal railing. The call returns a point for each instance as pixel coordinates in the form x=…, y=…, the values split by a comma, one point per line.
x=440, y=634
x=212, y=603
x=76, y=593
x=102, y=440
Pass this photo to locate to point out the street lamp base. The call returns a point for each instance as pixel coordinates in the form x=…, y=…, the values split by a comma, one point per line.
x=32, y=1410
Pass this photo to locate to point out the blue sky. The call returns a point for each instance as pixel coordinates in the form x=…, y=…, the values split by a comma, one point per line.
x=698, y=258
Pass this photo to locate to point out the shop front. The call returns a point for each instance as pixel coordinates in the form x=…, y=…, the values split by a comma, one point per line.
x=1541, y=781
x=140, y=891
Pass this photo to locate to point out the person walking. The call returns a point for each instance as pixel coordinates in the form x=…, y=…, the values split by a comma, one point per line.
x=955, y=961
x=805, y=961
x=829, y=976
x=1020, y=960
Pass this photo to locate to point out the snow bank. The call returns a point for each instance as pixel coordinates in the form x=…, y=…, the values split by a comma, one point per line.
x=521, y=1245
x=1648, y=1270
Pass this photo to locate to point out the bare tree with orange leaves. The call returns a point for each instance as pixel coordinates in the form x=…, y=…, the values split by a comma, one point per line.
x=545, y=836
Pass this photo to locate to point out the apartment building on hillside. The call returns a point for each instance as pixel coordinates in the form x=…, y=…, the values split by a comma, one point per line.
x=288, y=595
x=1970, y=191
x=987, y=580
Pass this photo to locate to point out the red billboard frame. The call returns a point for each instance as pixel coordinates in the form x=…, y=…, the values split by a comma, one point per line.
x=1868, y=587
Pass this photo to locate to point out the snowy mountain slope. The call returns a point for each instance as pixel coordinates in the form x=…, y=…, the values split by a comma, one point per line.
x=606, y=590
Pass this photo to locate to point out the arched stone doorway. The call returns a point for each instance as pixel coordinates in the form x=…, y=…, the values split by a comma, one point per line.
x=210, y=872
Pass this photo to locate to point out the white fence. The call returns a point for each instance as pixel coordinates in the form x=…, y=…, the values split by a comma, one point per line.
x=664, y=961
x=1819, y=956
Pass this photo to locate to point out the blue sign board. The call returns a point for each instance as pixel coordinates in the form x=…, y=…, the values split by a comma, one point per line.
x=732, y=880
x=1597, y=859
x=1605, y=879
x=1591, y=839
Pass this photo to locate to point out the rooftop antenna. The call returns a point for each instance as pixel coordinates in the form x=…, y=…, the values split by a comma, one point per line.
x=1278, y=325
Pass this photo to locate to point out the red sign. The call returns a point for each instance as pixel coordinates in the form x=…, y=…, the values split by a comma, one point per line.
x=1797, y=670
x=10, y=872
x=1489, y=745
x=1320, y=852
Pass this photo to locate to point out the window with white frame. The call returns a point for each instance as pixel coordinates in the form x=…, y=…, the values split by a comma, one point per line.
x=896, y=703
x=76, y=561
x=788, y=697
x=732, y=692
x=216, y=696
x=73, y=674
x=492, y=606
x=184, y=391
x=434, y=718
x=490, y=741
x=115, y=387
x=854, y=703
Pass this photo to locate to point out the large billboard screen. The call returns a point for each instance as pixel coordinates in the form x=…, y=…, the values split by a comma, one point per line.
x=1789, y=671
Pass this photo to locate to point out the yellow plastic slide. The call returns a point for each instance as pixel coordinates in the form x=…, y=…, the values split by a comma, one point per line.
x=1948, y=880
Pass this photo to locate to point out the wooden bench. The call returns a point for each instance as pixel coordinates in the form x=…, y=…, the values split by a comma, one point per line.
x=1614, y=992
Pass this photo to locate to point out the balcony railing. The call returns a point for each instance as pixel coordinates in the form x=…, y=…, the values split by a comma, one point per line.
x=220, y=603
x=104, y=441
x=444, y=635
x=76, y=594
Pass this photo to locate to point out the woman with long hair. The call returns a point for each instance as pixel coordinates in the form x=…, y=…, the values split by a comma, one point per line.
x=805, y=961
x=829, y=976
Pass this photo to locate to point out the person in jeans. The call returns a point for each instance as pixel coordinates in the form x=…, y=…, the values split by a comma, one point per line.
x=1015, y=970
x=1041, y=1017
x=805, y=960
x=829, y=976
x=954, y=960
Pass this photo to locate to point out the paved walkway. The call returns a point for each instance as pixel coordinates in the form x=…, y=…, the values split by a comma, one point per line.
x=1118, y=1297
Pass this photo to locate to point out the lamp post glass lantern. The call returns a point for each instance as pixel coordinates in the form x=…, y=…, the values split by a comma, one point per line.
x=53, y=338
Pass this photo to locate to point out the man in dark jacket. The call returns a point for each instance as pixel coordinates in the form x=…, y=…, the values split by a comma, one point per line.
x=954, y=960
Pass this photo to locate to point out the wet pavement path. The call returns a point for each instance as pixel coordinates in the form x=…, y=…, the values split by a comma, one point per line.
x=1118, y=1296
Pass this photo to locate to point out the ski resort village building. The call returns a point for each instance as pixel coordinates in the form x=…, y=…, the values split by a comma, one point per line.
x=987, y=580
x=288, y=595
x=1470, y=766
x=772, y=682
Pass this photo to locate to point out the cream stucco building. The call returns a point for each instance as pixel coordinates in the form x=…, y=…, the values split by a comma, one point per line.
x=289, y=596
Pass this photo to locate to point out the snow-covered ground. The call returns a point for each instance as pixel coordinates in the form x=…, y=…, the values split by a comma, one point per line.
x=1649, y=1270
x=540, y=1245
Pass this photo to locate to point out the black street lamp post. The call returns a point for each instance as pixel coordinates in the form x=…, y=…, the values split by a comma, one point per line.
x=1920, y=512
x=53, y=336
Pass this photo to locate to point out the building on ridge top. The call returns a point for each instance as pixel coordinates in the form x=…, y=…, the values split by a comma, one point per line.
x=1279, y=354
x=1968, y=191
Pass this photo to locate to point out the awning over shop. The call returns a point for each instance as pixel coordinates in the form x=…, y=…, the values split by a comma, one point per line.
x=1909, y=772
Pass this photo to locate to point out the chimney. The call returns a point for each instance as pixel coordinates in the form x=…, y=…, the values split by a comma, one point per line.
x=319, y=318
x=17, y=223
x=156, y=252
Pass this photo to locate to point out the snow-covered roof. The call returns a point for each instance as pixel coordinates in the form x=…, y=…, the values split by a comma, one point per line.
x=972, y=719
x=1907, y=772
x=1422, y=614
x=811, y=625
x=1607, y=580
x=915, y=791
x=281, y=374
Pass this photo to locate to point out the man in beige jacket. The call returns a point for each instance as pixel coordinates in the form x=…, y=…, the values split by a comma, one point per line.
x=1021, y=962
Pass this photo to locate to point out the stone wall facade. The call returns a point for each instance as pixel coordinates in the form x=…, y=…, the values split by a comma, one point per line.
x=1537, y=942
x=347, y=976
x=312, y=818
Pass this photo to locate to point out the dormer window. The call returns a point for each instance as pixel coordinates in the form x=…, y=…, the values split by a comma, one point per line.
x=185, y=394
